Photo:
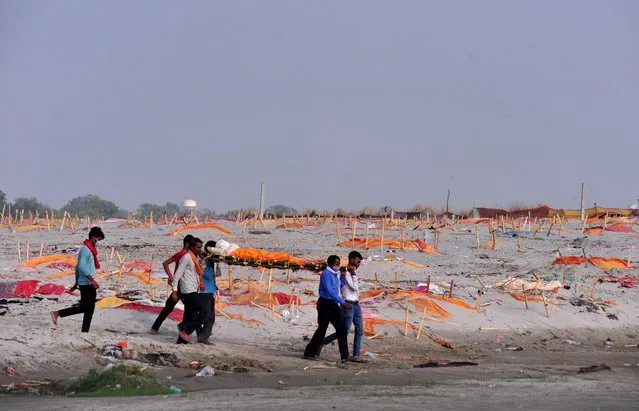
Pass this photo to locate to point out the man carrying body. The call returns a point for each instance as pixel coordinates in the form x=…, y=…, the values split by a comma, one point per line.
x=170, y=304
x=208, y=297
x=85, y=280
x=329, y=311
x=188, y=280
x=350, y=293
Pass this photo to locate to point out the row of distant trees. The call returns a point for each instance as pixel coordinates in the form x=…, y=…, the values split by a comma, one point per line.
x=88, y=205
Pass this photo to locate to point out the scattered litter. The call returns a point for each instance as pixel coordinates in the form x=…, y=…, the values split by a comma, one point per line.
x=608, y=344
x=571, y=342
x=281, y=382
x=11, y=371
x=612, y=317
x=175, y=389
x=207, y=371
x=514, y=348
x=580, y=302
x=594, y=368
x=631, y=345
x=361, y=372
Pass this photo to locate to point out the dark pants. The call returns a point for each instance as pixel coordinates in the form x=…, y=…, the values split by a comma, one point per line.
x=208, y=301
x=88, y=295
x=328, y=311
x=169, y=305
x=194, y=313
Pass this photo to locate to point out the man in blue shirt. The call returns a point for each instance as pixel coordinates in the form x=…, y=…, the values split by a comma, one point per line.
x=208, y=297
x=85, y=271
x=329, y=311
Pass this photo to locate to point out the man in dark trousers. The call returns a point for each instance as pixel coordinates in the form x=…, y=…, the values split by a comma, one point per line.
x=169, y=305
x=85, y=271
x=329, y=311
x=188, y=280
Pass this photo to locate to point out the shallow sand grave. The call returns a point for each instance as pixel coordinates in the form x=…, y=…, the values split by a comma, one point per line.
x=266, y=341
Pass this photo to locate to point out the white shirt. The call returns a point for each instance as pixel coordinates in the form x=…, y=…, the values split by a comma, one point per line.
x=186, y=276
x=350, y=289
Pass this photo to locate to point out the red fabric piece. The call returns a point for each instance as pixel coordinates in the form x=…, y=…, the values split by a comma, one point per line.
x=627, y=281
x=283, y=298
x=176, y=315
x=49, y=289
x=94, y=251
x=620, y=228
x=178, y=256
x=25, y=288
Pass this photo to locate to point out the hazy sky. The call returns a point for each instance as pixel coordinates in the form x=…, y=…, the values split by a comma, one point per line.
x=331, y=103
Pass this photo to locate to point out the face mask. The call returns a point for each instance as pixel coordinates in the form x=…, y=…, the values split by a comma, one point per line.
x=336, y=268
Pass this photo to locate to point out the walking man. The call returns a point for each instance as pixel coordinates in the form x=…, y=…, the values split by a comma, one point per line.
x=170, y=303
x=85, y=280
x=329, y=311
x=208, y=297
x=188, y=280
x=350, y=293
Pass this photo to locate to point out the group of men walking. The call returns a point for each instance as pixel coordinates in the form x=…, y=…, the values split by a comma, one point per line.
x=193, y=282
x=338, y=305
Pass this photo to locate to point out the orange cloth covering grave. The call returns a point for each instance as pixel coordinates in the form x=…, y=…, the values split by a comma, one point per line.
x=371, y=294
x=138, y=265
x=398, y=295
x=260, y=297
x=370, y=322
x=61, y=274
x=198, y=227
x=417, y=245
x=600, y=262
x=34, y=262
x=530, y=298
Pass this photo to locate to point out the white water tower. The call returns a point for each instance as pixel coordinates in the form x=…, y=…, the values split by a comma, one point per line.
x=189, y=205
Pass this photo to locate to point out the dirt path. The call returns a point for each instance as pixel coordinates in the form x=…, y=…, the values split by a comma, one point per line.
x=605, y=390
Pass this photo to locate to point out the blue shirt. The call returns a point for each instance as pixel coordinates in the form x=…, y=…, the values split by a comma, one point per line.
x=208, y=277
x=329, y=286
x=85, y=267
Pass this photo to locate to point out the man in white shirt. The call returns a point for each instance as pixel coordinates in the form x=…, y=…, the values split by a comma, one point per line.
x=353, y=315
x=188, y=279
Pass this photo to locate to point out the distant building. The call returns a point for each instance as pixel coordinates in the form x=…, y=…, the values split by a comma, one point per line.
x=189, y=206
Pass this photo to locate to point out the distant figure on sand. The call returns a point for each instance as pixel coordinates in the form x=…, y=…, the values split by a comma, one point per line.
x=85, y=280
x=350, y=293
x=329, y=311
x=188, y=281
x=169, y=305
